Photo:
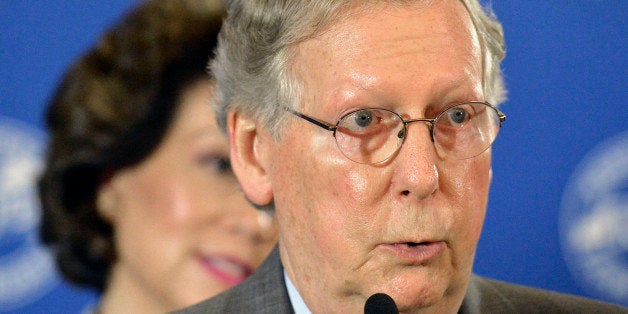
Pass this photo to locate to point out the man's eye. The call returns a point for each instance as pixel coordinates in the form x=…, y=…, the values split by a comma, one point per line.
x=457, y=115
x=363, y=118
x=367, y=122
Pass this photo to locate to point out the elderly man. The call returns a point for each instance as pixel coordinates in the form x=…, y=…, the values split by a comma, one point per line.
x=366, y=126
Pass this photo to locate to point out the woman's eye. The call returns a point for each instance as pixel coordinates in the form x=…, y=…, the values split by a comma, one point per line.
x=222, y=165
x=216, y=163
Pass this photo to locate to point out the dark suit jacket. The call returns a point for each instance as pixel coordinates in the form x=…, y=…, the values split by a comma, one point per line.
x=266, y=292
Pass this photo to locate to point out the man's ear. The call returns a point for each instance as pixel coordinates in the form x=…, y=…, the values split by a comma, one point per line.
x=248, y=161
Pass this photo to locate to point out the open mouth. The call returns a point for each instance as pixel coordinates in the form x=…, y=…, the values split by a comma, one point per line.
x=415, y=253
x=414, y=244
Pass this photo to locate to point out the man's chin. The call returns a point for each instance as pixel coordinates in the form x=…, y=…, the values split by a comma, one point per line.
x=424, y=291
x=411, y=300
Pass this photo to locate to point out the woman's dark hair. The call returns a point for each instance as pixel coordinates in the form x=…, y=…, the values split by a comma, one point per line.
x=110, y=111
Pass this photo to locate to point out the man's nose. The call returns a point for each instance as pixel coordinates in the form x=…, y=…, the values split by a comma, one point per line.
x=418, y=175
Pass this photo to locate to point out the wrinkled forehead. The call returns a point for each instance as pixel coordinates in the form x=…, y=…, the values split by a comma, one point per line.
x=324, y=19
x=340, y=20
x=362, y=39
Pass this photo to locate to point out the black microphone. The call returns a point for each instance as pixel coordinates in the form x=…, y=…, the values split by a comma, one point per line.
x=380, y=303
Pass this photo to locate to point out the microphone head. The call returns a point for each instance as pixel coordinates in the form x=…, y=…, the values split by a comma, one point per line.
x=380, y=303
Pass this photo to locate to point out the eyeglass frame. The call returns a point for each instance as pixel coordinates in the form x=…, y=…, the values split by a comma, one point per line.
x=430, y=122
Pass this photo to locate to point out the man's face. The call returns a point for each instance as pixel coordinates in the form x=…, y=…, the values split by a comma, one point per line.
x=407, y=227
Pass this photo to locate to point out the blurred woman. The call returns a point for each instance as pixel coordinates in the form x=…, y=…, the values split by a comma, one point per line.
x=138, y=196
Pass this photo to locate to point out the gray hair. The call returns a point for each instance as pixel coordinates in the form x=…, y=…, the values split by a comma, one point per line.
x=258, y=39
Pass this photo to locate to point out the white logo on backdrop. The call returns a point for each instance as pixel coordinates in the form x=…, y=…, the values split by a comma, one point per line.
x=594, y=221
x=27, y=271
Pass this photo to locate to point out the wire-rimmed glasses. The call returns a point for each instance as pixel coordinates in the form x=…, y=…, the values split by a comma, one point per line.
x=373, y=135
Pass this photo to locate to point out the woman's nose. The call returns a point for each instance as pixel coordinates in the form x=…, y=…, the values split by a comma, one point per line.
x=255, y=225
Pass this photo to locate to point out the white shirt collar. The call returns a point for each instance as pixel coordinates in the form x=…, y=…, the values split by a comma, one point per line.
x=298, y=305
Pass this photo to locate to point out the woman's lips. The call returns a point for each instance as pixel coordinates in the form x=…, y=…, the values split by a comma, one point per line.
x=227, y=270
x=416, y=253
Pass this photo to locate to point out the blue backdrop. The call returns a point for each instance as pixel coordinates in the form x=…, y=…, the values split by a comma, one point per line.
x=558, y=210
